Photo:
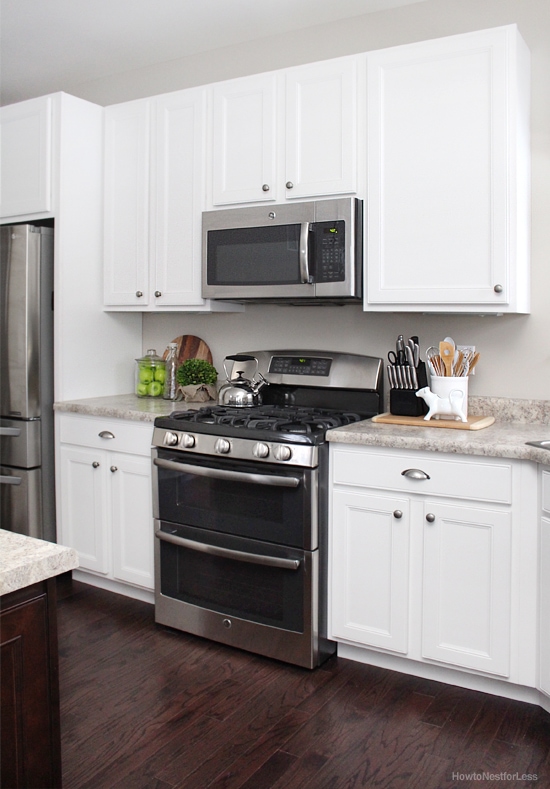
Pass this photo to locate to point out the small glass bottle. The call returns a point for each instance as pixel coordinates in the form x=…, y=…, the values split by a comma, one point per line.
x=171, y=367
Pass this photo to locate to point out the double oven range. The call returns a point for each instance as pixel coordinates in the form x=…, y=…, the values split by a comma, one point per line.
x=241, y=505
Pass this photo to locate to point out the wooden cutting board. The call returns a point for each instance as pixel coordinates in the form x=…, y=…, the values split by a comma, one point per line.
x=473, y=423
x=191, y=347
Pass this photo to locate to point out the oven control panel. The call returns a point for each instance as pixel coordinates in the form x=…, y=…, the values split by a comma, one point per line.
x=239, y=448
x=300, y=365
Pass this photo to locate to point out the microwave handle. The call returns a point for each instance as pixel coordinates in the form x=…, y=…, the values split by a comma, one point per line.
x=305, y=276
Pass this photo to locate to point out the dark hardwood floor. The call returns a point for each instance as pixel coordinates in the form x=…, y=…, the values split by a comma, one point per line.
x=146, y=707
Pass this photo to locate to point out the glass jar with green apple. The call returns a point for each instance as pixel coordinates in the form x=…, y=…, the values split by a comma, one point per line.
x=150, y=375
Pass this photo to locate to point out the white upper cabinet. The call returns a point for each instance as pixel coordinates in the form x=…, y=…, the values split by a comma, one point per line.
x=244, y=140
x=126, y=225
x=448, y=175
x=321, y=129
x=177, y=182
x=287, y=134
x=26, y=158
x=154, y=185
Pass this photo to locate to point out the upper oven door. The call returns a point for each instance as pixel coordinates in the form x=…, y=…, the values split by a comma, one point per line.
x=260, y=501
x=259, y=252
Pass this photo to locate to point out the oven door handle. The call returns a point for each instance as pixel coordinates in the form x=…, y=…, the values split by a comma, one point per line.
x=235, y=476
x=227, y=553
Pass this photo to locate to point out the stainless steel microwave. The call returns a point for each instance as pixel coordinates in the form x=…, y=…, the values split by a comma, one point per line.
x=303, y=252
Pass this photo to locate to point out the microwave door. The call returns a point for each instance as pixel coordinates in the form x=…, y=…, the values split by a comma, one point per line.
x=260, y=262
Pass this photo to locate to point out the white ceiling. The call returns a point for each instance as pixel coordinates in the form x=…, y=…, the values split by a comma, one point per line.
x=51, y=45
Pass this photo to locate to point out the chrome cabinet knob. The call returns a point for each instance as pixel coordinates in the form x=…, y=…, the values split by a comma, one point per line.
x=430, y=517
x=114, y=468
x=95, y=464
x=158, y=293
x=289, y=185
x=265, y=187
x=260, y=450
x=139, y=293
x=397, y=514
x=222, y=446
x=498, y=288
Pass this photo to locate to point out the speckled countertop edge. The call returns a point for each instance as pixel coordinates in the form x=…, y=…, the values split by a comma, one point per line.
x=517, y=421
x=26, y=560
x=501, y=439
x=126, y=406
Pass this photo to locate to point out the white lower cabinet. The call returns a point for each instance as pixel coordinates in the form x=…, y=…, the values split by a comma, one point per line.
x=427, y=551
x=104, y=497
x=370, y=571
x=466, y=592
x=544, y=612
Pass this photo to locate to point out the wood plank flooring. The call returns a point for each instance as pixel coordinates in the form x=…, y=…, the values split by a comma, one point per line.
x=146, y=707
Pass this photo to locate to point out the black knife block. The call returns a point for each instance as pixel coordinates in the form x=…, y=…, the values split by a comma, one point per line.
x=404, y=402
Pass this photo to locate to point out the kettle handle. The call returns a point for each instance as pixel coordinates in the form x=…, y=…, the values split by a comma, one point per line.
x=241, y=357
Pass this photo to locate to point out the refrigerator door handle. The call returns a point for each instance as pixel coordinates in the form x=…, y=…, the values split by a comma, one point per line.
x=10, y=431
x=10, y=480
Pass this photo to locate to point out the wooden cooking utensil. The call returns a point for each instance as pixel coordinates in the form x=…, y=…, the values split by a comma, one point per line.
x=447, y=352
x=475, y=360
x=191, y=347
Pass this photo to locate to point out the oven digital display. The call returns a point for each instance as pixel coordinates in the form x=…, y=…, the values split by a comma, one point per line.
x=300, y=365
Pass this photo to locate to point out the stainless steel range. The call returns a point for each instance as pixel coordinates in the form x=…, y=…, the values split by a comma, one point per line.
x=240, y=504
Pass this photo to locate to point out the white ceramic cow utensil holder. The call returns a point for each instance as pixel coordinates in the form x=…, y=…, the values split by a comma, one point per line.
x=451, y=406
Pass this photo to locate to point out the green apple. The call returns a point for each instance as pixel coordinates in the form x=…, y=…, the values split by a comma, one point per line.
x=160, y=374
x=141, y=390
x=145, y=374
x=154, y=389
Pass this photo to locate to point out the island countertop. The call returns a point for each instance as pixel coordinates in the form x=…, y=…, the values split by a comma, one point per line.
x=26, y=560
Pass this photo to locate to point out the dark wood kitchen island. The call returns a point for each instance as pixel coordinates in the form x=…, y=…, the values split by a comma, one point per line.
x=30, y=732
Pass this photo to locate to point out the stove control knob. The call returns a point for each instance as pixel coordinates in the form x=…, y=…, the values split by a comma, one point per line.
x=260, y=450
x=187, y=441
x=170, y=439
x=282, y=452
x=222, y=446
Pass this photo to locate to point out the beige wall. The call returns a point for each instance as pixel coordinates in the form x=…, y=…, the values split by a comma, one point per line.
x=515, y=349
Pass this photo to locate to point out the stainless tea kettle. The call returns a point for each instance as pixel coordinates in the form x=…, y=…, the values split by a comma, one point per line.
x=241, y=391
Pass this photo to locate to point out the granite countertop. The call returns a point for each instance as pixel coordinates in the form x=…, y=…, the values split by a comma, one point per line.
x=26, y=560
x=127, y=406
x=517, y=421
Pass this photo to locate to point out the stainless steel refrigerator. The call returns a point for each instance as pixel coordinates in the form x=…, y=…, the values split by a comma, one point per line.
x=27, y=487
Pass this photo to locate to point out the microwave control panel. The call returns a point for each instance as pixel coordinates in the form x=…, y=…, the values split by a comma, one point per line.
x=330, y=245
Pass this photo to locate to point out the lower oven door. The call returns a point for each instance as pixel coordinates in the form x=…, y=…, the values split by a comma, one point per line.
x=241, y=592
x=263, y=501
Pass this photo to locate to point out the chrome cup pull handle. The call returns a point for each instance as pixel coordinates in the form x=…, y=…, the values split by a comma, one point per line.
x=106, y=434
x=415, y=473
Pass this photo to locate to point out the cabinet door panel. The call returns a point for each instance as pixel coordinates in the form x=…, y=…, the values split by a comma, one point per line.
x=544, y=672
x=467, y=587
x=244, y=139
x=442, y=177
x=26, y=157
x=132, y=519
x=84, y=513
x=321, y=128
x=370, y=550
x=178, y=177
x=127, y=204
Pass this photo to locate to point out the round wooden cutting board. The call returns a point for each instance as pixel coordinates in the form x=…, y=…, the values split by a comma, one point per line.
x=191, y=347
